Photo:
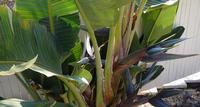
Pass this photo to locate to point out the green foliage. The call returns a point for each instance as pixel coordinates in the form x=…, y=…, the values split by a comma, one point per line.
x=136, y=45
x=28, y=39
x=61, y=19
x=176, y=33
x=59, y=16
x=102, y=13
x=158, y=21
x=22, y=41
x=39, y=9
x=66, y=32
x=39, y=44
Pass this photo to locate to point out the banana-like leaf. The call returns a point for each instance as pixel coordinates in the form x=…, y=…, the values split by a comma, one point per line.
x=59, y=16
x=158, y=21
x=102, y=13
x=66, y=30
x=22, y=41
x=22, y=103
x=38, y=9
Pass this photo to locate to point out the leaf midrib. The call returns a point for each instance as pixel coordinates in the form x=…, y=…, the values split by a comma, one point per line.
x=21, y=61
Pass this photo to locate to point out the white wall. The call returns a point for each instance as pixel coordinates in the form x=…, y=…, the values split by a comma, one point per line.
x=188, y=16
x=10, y=87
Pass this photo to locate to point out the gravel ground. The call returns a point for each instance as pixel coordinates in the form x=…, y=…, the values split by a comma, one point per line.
x=189, y=98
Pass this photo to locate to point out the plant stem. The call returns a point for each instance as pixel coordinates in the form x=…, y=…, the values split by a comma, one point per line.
x=114, y=44
x=51, y=16
x=124, y=64
x=128, y=27
x=75, y=91
x=119, y=33
x=30, y=90
x=139, y=15
x=108, y=66
x=99, y=71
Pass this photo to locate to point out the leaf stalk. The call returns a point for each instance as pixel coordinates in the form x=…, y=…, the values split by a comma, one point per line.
x=99, y=70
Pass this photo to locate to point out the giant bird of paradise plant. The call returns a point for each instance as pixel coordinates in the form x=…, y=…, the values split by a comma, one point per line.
x=119, y=40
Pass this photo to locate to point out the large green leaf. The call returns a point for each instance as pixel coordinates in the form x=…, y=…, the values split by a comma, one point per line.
x=158, y=21
x=22, y=103
x=66, y=32
x=59, y=16
x=102, y=13
x=21, y=41
x=38, y=9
